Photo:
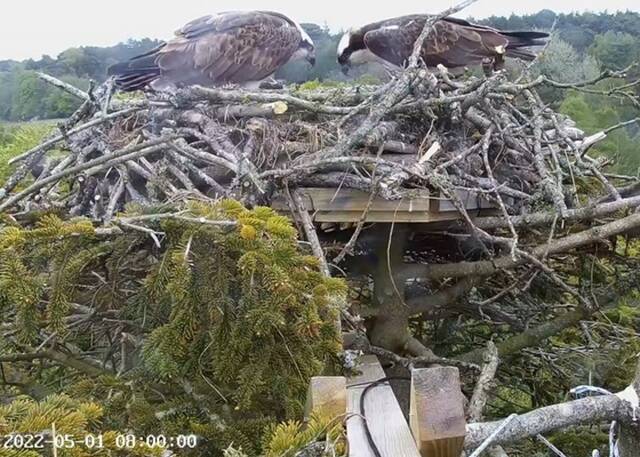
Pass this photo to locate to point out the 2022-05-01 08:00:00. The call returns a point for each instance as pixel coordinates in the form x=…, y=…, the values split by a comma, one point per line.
x=51, y=439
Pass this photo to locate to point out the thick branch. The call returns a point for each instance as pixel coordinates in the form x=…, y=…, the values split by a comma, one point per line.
x=544, y=218
x=585, y=411
x=425, y=303
x=536, y=335
x=486, y=268
x=214, y=95
x=484, y=383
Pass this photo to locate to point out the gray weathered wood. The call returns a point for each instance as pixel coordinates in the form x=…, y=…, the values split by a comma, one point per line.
x=630, y=433
x=422, y=217
x=437, y=412
x=357, y=200
x=470, y=201
x=347, y=205
x=387, y=424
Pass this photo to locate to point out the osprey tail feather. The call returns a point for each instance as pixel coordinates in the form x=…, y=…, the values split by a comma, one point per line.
x=520, y=40
x=137, y=73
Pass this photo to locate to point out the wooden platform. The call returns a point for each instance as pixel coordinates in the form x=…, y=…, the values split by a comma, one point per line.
x=348, y=205
x=387, y=424
x=437, y=423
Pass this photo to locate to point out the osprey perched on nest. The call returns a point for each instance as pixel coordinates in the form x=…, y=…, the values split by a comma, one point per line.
x=453, y=42
x=228, y=48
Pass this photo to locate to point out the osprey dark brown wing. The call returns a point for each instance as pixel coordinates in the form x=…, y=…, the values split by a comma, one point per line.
x=233, y=50
x=212, y=50
x=452, y=43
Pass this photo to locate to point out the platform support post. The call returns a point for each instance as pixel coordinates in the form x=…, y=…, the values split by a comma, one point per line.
x=436, y=412
x=327, y=397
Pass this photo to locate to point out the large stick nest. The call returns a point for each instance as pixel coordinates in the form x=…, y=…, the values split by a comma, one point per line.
x=484, y=135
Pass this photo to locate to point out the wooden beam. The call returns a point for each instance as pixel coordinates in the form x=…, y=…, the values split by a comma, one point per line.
x=437, y=412
x=347, y=205
x=387, y=425
x=385, y=216
x=325, y=199
x=470, y=201
x=327, y=396
x=330, y=199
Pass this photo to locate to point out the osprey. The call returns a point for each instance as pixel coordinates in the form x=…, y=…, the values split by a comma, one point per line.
x=453, y=43
x=228, y=48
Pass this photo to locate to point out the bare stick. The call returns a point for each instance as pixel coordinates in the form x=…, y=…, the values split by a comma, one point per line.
x=484, y=383
x=106, y=160
x=491, y=438
x=428, y=27
x=547, y=443
x=310, y=231
x=52, y=142
x=214, y=95
x=82, y=95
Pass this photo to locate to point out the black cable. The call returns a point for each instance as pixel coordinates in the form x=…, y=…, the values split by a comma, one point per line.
x=367, y=432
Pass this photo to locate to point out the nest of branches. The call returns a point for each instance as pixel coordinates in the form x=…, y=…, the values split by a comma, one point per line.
x=487, y=136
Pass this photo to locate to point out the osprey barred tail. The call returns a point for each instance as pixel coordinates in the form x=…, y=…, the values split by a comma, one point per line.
x=232, y=47
x=453, y=43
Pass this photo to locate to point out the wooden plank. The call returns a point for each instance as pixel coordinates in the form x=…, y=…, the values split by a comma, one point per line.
x=330, y=199
x=389, y=216
x=384, y=216
x=387, y=424
x=281, y=203
x=437, y=412
x=326, y=199
x=327, y=396
x=471, y=202
x=347, y=206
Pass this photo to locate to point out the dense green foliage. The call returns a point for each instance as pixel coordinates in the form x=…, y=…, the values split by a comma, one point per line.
x=224, y=327
x=72, y=418
x=593, y=113
x=578, y=29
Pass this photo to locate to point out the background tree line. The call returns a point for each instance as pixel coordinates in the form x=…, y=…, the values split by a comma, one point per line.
x=24, y=97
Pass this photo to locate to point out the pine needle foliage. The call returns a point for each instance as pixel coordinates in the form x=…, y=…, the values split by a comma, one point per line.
x=256, y=313
x=225, y=324
x=287, y=439
x=71, y=420
x=54, y=246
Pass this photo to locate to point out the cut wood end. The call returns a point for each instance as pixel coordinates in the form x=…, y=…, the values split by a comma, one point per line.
x=279, y=107
x=436, y=413
x=327, y=396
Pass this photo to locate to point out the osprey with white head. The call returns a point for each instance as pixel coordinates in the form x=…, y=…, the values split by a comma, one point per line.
x=454, y=43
